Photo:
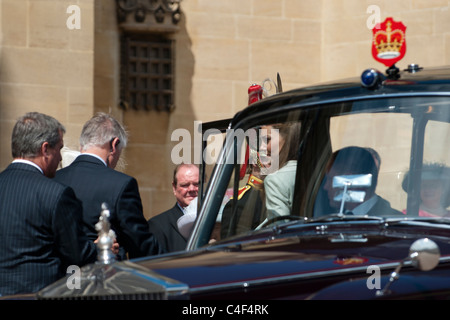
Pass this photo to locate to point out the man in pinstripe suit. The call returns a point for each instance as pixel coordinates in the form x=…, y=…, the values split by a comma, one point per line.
x=40, y=219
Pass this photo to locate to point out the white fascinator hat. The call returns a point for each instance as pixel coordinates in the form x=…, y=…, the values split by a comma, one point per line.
x=186, y=222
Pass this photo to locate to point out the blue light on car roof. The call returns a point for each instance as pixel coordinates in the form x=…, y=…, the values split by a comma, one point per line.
x=371, y=78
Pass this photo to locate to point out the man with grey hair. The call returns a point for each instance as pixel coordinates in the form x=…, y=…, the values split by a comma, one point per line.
x=40, y=219
x=94, y=180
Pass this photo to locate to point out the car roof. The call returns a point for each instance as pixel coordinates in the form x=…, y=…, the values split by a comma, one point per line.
x=427, y=81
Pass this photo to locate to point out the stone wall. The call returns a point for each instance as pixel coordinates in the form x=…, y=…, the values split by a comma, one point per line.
x=221, y=49
x=347, y=39
x=45, y=66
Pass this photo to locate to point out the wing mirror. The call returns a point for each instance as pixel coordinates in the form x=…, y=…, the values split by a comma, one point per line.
x=424, y=254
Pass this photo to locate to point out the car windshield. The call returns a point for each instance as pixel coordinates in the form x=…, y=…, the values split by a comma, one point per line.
x=384, y=157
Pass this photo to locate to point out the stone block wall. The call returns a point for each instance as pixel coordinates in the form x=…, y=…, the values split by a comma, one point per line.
x=45, y=66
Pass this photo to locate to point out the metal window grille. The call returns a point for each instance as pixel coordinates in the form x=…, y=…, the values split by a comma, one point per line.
x=147, y=69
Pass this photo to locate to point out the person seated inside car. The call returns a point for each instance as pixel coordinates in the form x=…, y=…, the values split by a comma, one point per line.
x=434, y=190
x=279, y=185
x=351, y=161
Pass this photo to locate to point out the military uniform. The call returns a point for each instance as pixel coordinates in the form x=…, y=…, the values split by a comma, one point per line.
x=249, y=211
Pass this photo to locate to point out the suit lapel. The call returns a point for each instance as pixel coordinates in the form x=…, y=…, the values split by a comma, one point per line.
x=177, y=213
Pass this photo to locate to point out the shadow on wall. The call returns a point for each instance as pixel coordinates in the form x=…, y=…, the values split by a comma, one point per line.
x=148, y=154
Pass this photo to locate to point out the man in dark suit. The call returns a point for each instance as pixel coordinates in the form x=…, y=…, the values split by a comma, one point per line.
x=94, y=180
x=357, y=161
x=40, y=219
x=164, y=225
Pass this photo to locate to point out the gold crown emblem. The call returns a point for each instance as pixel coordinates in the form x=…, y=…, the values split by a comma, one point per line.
x=388, y=43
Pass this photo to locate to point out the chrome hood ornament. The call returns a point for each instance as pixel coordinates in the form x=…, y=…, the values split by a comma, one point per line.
x=110, y=280
x=106, y=237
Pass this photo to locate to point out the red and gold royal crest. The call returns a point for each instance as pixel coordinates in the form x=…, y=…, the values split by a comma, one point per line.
x=388, y=43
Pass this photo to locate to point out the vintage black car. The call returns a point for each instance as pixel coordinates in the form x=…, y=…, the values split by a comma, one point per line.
x=293, y=208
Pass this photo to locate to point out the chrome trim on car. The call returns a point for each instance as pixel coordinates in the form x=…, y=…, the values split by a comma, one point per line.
x=248, y=284
x=117, y=281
